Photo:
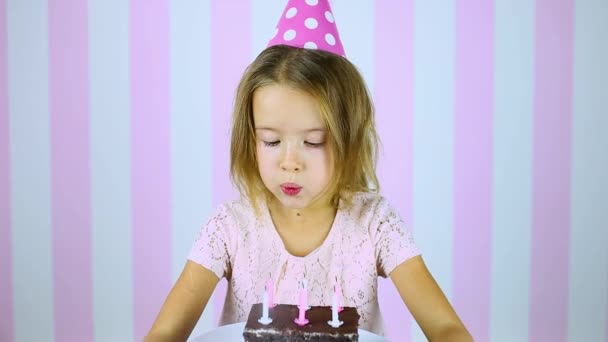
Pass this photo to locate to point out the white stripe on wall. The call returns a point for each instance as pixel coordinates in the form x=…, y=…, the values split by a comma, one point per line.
x=28, y=96
x=433, y=139
x=356, y=26
x=265, y=16
x=512, y=171
x=190, y=24
x=588, y=285
x=111, y=170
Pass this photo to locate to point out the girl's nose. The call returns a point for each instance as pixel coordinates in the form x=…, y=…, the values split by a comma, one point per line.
x=290, y=160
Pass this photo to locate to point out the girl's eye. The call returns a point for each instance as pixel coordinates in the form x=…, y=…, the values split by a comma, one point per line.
x=271, y=143
x=313, y=144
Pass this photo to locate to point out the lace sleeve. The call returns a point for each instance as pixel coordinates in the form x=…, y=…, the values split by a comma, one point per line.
x=211, y=247
x=393, y=241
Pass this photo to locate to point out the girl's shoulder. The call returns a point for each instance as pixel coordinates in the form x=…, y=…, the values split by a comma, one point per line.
x=240, y=217
x=373, y=212
x=238, y=212
x=364, y=203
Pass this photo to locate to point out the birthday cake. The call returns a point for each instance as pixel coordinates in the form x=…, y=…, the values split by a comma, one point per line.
x=283, y=327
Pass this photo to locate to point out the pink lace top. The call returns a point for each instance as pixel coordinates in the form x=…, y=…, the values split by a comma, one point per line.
x=366, y=240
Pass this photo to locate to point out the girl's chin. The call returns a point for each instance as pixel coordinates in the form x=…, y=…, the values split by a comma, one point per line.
x=292, y=202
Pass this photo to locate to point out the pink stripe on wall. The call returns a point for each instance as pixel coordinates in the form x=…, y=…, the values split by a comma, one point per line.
x=151, y=162
x=551, y=177
x=473, y=164
x=394, y=96
x=7, y=323
x=230, y=55
x=70, y=170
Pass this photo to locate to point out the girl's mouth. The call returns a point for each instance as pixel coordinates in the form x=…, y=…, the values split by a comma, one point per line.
x=291, y=189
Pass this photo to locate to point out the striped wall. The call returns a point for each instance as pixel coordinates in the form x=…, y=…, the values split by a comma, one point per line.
x=114, y=118
x=111, y=194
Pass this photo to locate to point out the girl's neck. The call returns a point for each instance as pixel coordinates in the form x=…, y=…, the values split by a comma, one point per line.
x=301, y=218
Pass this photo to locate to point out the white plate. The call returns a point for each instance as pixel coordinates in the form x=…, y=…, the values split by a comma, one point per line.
x=234, y=332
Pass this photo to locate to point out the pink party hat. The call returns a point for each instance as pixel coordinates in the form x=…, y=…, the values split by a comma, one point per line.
x=308, y=24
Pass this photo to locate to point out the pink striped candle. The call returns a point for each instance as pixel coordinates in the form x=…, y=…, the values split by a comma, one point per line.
x=270, y=290
x=338, y=293
x=301, y=320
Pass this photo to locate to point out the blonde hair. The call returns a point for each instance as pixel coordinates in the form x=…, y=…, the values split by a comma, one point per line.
x=345, y=106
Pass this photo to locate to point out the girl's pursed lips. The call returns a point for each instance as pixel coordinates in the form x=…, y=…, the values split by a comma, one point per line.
x=290, y=185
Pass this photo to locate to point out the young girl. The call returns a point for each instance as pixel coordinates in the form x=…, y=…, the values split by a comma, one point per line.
x=303, y=155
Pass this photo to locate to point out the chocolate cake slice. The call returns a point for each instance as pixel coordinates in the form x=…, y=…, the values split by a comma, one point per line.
x=283, y=327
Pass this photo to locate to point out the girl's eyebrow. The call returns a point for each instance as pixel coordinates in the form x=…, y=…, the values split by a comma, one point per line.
x=305, y=130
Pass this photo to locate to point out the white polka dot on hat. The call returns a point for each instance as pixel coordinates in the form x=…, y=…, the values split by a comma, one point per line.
x=308, y=24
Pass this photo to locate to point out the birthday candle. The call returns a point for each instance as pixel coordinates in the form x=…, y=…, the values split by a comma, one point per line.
x=338, y=292
x=270, y=287
x=265, y=305
x=305, y=293
x=334, y=308
x=302, y=314
x=301, y=320
x=265, y=319
x=303, y=298
x=335, y=321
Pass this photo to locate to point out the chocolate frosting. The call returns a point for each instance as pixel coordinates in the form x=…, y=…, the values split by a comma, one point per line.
x=283, y=327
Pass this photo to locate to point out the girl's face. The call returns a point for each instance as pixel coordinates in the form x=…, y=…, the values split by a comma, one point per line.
x=294, y=159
